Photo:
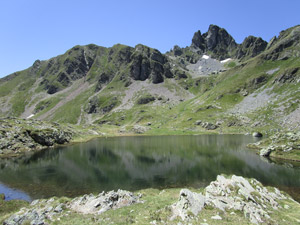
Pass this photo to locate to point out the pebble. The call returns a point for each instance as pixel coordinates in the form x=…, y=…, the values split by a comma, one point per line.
x=216, y=217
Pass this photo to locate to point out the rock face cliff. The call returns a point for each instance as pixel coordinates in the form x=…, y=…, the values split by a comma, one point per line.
x=251, y=47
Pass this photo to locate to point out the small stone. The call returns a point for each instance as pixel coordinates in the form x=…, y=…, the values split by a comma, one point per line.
x=216, y=217
x=58, y=209
x=198, y=122
x=37, y=222
x=34, y=202
x=266, y=152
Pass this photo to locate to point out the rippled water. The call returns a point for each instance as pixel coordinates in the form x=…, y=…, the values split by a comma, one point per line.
x=134, y=163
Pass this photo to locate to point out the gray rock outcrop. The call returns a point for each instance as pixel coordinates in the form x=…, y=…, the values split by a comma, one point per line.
x=20, y=135
x=206, y=125
x=188, y=202
x=50, y=209
x=251, y=47
x=91, y=204
x=216, y=40
x=147, y=63
x=138, y=129
x=266, y=151
x=277, y=47
x=236, y=193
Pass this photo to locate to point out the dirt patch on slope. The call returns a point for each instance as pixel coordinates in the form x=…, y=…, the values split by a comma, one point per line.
x=83, y=86
x=254, y=101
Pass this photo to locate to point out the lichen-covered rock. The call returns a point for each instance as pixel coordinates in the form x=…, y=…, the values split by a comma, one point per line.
x=41, y=211
x=209, y=126
x=138, y=129
x=50, y=136
x=236, y=193
x=266, y=151
x=91, y=204
x=188, y=202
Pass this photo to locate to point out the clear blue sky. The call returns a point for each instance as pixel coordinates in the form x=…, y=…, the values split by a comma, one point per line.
x=41, y=29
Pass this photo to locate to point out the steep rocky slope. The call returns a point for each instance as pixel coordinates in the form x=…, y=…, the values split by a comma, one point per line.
x=235, y=87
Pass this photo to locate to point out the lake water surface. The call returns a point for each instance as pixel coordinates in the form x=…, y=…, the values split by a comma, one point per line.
x=134, y=163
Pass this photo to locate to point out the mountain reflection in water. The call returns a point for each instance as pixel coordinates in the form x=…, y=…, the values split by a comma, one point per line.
x=134, y=163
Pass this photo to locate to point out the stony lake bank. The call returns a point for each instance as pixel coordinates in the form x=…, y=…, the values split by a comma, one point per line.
x=25, y=136
x=227, y=200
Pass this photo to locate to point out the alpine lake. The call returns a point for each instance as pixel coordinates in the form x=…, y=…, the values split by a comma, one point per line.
x=140, y=162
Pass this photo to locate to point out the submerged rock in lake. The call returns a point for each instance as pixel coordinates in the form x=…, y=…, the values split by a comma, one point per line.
x=250, y=197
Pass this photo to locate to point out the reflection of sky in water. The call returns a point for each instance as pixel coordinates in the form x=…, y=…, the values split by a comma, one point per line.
x=11, y=193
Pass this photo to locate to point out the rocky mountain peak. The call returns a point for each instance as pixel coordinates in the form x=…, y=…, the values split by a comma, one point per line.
x=219, y=40
x=251, y=47
x=279, y=48
x=198, y=41
x=216, y=40
x=149, y=63
x=220, y=45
